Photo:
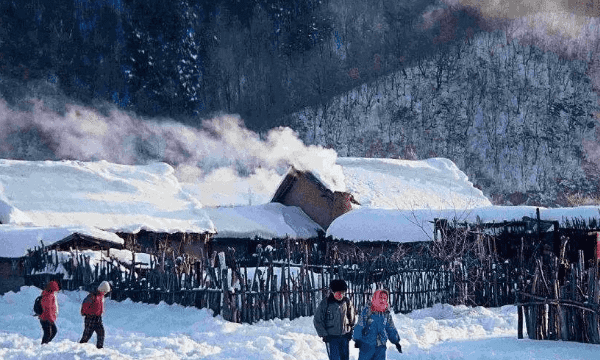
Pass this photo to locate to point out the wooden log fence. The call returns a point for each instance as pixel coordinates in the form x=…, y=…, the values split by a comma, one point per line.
x=273, y=289
x=551, y=308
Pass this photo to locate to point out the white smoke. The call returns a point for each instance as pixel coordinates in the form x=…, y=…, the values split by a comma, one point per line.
x=221, y=162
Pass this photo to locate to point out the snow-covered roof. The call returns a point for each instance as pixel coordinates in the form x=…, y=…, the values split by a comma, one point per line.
x=271, y=220
x=99, y=194
x=16, y=240
x=435, y=183
x=366, y=224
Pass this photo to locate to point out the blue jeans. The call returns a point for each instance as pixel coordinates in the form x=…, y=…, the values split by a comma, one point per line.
x=338, y=348
x=368, y=352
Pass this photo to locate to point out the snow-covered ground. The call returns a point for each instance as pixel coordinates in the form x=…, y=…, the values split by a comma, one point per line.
x=142, y=331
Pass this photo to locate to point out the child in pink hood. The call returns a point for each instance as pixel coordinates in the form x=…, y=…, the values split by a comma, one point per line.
x=375, y=327
x=50, y=312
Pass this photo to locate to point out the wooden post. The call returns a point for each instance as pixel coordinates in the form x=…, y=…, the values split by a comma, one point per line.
x=313, y=286
x=558, y=312
x=594, y=337
x=291, y=295
x=520, y=322
x=494, y=284
x=277, y=304
x=532, y=328
x=225, y=308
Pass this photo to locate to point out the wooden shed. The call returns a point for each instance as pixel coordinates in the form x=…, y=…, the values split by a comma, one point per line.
x=84, y=242
x=304, y=190
x=16, y=243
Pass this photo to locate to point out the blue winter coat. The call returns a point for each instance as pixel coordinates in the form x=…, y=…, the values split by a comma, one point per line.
x=375, y=328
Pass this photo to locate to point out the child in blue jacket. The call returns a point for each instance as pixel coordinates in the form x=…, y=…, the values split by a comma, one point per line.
x=375, y=327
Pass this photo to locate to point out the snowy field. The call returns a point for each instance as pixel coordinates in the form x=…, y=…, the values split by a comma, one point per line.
x=141, y=331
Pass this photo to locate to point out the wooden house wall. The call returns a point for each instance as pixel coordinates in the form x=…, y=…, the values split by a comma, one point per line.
x=318, y=250
x=11, y=274
x=192, y=244
x=578, y=239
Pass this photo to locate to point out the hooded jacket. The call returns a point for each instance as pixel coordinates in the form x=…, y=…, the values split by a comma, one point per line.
x=49, y=302
x=333, y=317
x=375, y=328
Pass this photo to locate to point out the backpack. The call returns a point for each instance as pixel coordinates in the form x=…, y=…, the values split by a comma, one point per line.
x=37, y=306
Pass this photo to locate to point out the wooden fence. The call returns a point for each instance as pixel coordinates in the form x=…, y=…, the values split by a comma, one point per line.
x=272, y=289
x=561, y=307
x=488, y=284
x=551, y=273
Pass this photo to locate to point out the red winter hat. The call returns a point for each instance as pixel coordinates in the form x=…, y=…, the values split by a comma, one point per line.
x=52, y=286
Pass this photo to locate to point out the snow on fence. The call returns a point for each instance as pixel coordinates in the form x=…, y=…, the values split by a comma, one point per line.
x=271, y=289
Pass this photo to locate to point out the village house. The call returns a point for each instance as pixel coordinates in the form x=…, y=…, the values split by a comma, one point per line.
x=17, y=241
x=143, y=206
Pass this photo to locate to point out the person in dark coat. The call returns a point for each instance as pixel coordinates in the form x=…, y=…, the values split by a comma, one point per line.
x=92, y=309
x=334, y=319
x=375, y=327
x=50, y=312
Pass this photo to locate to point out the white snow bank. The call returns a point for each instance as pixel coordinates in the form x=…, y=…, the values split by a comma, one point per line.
x=142, y=331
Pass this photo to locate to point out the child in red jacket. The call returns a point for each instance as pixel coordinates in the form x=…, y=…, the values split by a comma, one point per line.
x=50, y=312
x=92, y=309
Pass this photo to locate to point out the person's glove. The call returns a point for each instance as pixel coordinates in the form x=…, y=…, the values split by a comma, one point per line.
x=399, y=347
x=357, y=344
x=325, y=339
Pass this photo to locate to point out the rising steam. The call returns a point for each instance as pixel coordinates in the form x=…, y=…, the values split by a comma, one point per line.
x=221, y=162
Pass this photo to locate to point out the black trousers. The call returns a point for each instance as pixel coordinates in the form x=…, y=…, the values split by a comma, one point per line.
x=93, y=324
x=49, y=329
